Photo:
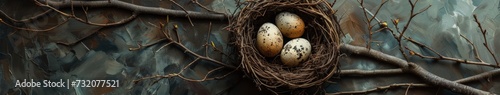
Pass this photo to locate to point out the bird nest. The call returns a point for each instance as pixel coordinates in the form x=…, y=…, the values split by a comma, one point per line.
x=322, y=30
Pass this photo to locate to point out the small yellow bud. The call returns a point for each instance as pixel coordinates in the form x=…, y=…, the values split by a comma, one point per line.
x=383, y=24
x=213, y=45
x=395, y=21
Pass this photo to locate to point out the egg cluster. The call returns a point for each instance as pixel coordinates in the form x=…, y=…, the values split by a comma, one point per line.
x=270, y=39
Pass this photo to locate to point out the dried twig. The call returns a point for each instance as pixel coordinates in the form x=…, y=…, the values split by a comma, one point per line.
x=379, y=88
x=473, y=48
x=136, y=8
x=420, y=71
x=85, y=13
x=413, y=68
x=185, y=49
x=370, y=19
x=27, y=19
x=412, y=15
x=483, y=31
x=35, y=30
x=484, y=75
x=204, y=7
x=130, y=18
x=440, y=56
x=134, y=15
x=208, y=38
x=187, y=13
x=198, y=58
x=408, y=88
x=357, y=72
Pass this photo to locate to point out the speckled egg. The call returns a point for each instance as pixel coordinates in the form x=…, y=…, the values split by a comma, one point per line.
x=269, y=40
x=295, y=51
x=291, y=25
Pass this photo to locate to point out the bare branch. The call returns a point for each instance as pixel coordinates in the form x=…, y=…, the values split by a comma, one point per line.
x=412, y=15
x=136, y=8
x=380, y=88
x=440, y=56
x=477, y=77
x=483, y=31
x=204, y=7
x=198, y=58
x=408, y=88
x=27, y=19
x=185, y=11
x=357, y=72
x=370, y=19
x=473, y=48
x=413, y=68
x=197, y=55
x=35, y=30
x=484, y=75
x=452, y=59
x=134, y=15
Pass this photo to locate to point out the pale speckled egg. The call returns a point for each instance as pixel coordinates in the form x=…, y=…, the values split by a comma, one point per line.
x=269, y=40
x=295, y=51
x=290, y=24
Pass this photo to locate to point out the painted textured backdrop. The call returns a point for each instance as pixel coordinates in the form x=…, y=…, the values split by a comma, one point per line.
x=103, y=52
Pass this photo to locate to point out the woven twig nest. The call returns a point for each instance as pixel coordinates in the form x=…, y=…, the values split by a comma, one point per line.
x=322, y=31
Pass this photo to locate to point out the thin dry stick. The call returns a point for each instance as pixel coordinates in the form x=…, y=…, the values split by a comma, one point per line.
x=211, y=43
x=484, y=75
x=137, y=8
x=408, y=88
x=187, y=13
x=369, y=20
x=380, y=88
x=198, y=58
x=165, y=32
x=130, y=18
x=451, y=59
x=27, y=19
x=483, y=31
x=440, y=56
x=413, y=68
x=208, y=38
x=72, y=8
x=35, y=30
x=412, y=15
x=185, y=49
x=473, y=48
x=85, y=13
x=357, y=72
x=204, y=7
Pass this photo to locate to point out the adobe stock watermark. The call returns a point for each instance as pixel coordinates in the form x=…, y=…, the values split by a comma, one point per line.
x=43, y=83
x=67, y=83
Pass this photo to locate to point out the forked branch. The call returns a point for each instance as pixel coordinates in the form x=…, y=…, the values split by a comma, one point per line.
x=413, y=68
x=136, y=8
x=483, y=31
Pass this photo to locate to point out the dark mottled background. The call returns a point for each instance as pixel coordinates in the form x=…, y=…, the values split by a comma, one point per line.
x=103, y=52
